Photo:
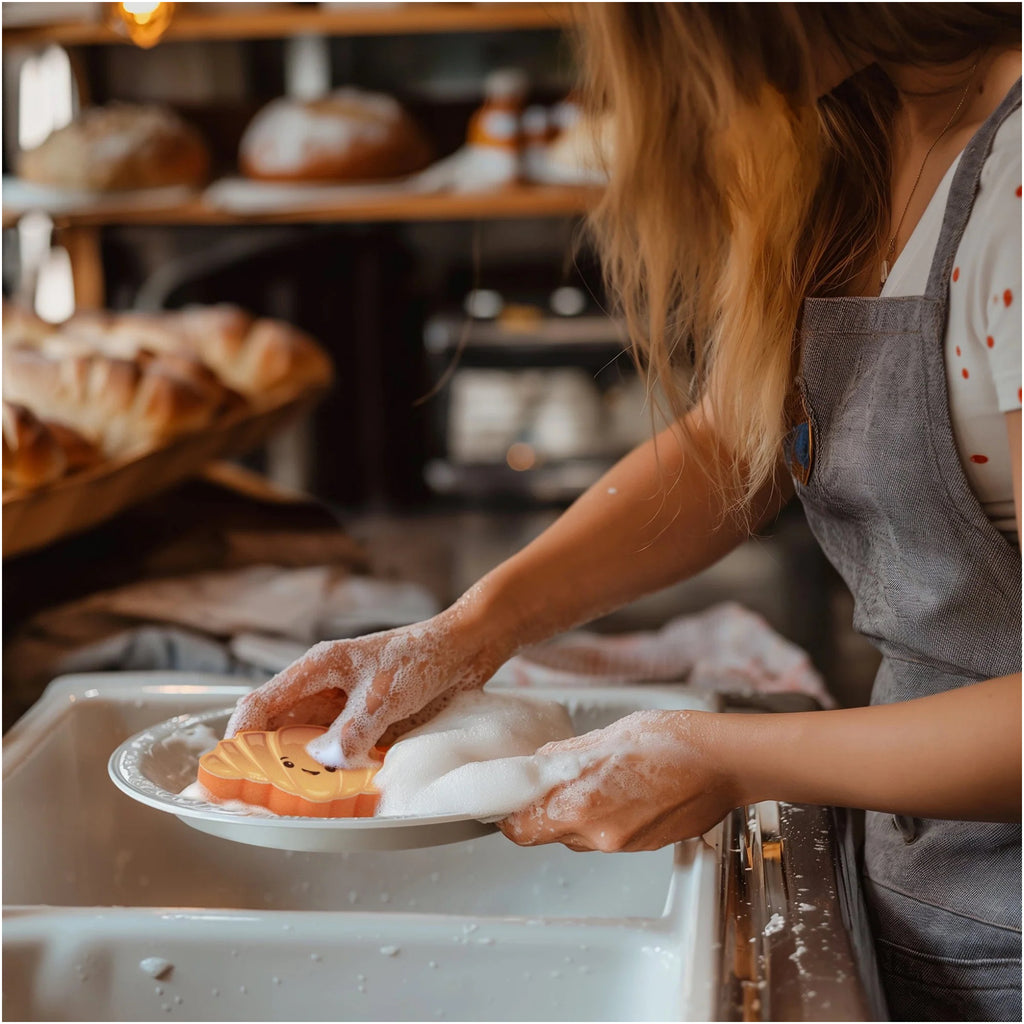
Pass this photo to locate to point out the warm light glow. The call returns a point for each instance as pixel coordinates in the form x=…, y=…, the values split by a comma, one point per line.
x=146, y=22
x=141, y=12
x=521, y=457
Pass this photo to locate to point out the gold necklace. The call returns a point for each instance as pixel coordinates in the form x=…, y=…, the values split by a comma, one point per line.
x=891, y=250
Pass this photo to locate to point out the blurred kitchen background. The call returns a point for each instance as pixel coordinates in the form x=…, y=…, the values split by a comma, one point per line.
x=479, y=385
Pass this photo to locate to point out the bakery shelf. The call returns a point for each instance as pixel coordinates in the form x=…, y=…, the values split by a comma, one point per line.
x=507, y=203
x=280, y=22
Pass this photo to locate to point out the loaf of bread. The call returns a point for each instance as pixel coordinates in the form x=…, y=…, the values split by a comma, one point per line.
x=32, y=455
x=122, y=406
x=121, y=146
x=349, y=135
x=264, y=360
x=37, y=453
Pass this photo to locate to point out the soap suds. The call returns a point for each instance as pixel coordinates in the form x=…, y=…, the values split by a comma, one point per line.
x=196, y=739
x=775, y=924
x=477, y=757
x=198, y=793
x=360, y=688
x=156, y=966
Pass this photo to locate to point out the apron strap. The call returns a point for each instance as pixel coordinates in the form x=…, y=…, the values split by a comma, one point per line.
x=962, y=193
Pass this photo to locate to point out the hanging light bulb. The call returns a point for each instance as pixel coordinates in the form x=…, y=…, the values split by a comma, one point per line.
x=145, y=20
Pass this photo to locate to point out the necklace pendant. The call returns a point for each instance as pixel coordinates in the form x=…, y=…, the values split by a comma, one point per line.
x=885, y=270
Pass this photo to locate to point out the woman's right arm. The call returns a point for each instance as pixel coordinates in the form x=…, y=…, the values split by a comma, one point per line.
x=655, y=518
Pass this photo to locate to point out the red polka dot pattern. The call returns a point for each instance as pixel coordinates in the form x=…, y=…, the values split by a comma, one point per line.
x=965, y=373
x=1018, y=191
x=1007, y=297
x=990, y=341
x=958, y=350
x=956, y=273
x=979, y=459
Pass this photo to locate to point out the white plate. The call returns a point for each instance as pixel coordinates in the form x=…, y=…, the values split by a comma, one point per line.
x=157, y=763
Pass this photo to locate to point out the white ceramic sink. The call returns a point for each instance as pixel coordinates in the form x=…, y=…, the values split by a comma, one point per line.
x=95, y=883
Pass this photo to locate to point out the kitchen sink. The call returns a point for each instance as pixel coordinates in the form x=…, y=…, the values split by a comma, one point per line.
x=116, y=911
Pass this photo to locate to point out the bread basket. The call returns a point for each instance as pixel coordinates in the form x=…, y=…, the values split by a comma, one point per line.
x=33, y=519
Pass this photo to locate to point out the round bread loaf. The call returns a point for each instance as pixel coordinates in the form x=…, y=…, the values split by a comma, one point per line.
x=119, y=147
x=349, y=135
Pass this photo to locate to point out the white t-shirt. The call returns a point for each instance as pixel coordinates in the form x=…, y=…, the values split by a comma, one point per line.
x=983, y=334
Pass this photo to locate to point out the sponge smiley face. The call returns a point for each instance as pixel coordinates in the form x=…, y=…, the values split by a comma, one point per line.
x=272, y=769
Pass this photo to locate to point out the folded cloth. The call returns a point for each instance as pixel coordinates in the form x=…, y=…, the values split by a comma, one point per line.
x=307, y=604
x=724, y=649
x=204, y=622
x=476, y=758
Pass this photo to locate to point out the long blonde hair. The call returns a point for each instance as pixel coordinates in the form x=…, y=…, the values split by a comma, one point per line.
x=735, y=191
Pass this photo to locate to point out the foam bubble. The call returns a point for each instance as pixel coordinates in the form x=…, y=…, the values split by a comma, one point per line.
x=476, y=757
x=156, y=966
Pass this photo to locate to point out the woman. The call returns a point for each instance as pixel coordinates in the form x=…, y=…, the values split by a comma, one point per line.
x=814, y=210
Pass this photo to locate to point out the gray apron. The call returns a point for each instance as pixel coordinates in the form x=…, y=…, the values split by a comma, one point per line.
x=937, y=589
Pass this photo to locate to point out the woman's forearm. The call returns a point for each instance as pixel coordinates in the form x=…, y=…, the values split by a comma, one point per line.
x=953, y=755
x=652, y=520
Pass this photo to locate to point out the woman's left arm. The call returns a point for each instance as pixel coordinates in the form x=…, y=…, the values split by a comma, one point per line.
x=658, y=777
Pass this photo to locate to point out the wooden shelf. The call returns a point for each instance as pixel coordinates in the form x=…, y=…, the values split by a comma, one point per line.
x=508, y=203
x=280, y=22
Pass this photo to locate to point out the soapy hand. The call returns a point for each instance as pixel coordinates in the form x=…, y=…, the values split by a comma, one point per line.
x=370, y=689
x=643, y=782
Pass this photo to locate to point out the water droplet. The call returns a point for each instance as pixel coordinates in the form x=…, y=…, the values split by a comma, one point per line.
x=242, y=989
x=214, y=992
x=432, y=964
x=178, y=1000
x=275, y=980
x=315, y=957
x=390, y=950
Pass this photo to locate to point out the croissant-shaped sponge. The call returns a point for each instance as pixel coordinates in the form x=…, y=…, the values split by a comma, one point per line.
x=272, y=769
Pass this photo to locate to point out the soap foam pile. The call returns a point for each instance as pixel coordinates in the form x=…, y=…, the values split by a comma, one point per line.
x=477, y=758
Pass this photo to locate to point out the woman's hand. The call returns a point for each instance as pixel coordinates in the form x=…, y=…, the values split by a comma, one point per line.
x=373, y=688
x=645, y=781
